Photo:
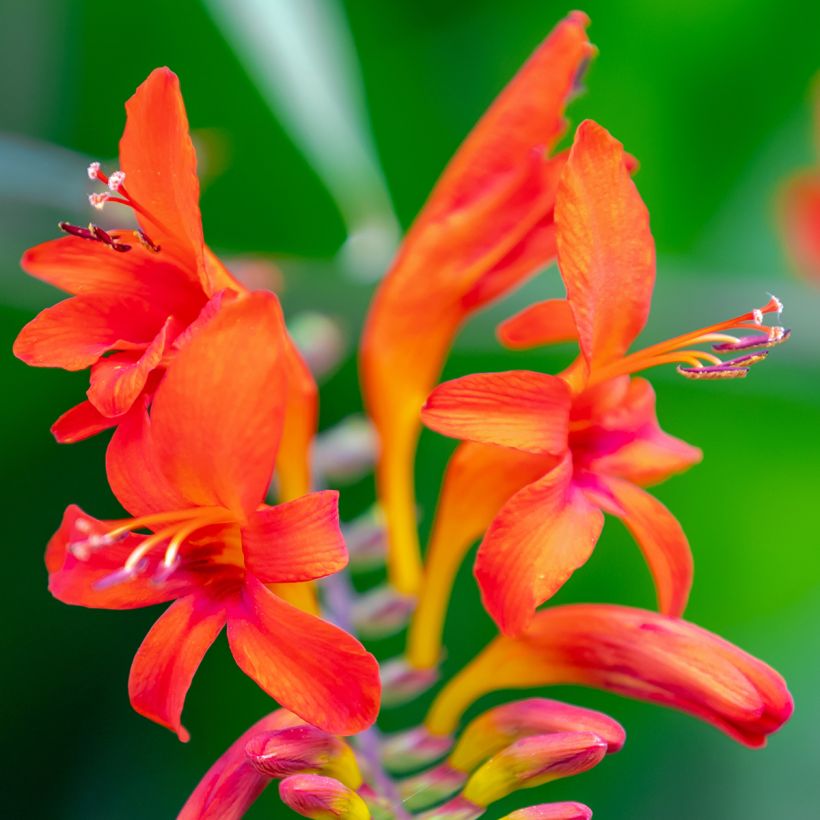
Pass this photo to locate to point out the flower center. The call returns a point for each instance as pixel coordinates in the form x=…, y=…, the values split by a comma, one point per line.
x=700, y=364
x=116, y=185
x=170, y=532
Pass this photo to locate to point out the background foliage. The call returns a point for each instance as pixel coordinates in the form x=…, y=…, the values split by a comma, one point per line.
x=710, y=96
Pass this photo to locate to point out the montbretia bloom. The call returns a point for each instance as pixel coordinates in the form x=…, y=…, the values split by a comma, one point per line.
x=487, y=226
x=632, y=652
x=135, y=293
x=194, y=473
x=559, y=451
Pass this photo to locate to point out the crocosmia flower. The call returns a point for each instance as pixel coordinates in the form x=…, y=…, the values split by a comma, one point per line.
x=194, y=474
x=487, y=225
x=583, y=443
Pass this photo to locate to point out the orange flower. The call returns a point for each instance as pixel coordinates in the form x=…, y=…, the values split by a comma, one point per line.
x=635, y=653
x=487, y=225
x=566, y=448
x=135, y=293
x=195, y=473
x=800, y=210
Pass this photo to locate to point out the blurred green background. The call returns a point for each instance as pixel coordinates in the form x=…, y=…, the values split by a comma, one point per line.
x=710, y=96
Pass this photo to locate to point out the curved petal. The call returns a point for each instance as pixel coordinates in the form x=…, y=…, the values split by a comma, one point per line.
x=605, y=249
x=478, y=480
x=660, y=538
x=159, y=161
x=543, y=323
x=232, y=784
x=310, y=667
x=296, y=541
x=77, y=567
x=538, y=539
x=519, y=409
x=74, y=333
x=217, y=415
x=168, y=658
x=118, y=380
x=80, y=422
x=632, y=652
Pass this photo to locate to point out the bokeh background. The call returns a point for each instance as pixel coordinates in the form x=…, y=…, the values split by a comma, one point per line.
x=320, y=120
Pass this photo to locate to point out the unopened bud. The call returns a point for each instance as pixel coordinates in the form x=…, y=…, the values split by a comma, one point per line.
x=381, y=612
x=347, y=451
x=366, y=539
x=401, y=682
x=320, y=340
x=322, y=798
x=459, y=808
x=303, y=750
x=413, y=748
x=431, y=787
x=533, y=761
x=552, y=811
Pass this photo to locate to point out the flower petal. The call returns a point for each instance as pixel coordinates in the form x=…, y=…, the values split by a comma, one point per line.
x=605, y=249
x=74, y=333
x=479, y=479
x=310, y=667
x=159, y=161
x=217, y=416
x=543, y=323
x=296, y=541
x=232, y=784
x=800, y=218
x=635, y=653
x=168, y=658
x=538, y=539
x=76, y=568
x=80, y=422
x=519, y=408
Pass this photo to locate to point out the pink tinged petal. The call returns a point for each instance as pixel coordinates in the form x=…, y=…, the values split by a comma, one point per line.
x=74, y=333
x=79, y=560
x=117, y=380
x=310, y=667
x=222, y=451
x=605, y=249
x=543, y=323
x=297, y=541
x=233, y=783
x=134, y=471
x=538, y=539
x=660, y=538
x=80, y=422
x=518, y=409
x=168, y=658
x=552, y=811
x=322, y=798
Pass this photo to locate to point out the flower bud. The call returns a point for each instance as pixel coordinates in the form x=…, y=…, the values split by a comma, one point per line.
x=346, y=452
x=302, y=750
x=430, y=787
x=366, y=539
x=459, y=808
x=401, y=682
x=533, y=761
x=322, y=798
x=552, y=811
x=413, y=748
x=381, y=612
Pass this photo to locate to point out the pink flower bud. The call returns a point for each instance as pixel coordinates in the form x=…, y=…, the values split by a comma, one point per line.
x=552, y=811
x=411, y=749
x=322, y=798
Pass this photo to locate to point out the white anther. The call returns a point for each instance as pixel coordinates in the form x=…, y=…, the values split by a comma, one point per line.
x=757, y=315
x=98, y=200
x=93, y=170
x=776, y=333
x=777, y=302
x=116, y=180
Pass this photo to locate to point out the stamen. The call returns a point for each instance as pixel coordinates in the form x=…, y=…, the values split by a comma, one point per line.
x=713, y=372
x=774, y=337
x=98, y=200
x=146, y=241
x=116, y=180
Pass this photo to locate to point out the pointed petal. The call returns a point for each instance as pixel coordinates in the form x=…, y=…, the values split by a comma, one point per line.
x=134, y=470
x=632, y=652
x=520, y=409
x=479, y=479
x=217, y=416
x=543, y=323
x=310, y=667
x=296, y=541
x=233, y=783
x=159, y=161
x=80, y=422
x=74, y=333
x=538, y=539
x=661, y=540
x=76, y=570
x=168, y=658
x=605, y=249
x=117, y=380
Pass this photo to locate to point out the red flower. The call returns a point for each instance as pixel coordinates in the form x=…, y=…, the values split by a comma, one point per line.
x=635, y=653
x=486, y=227
x=567, y=448
x=134, y=293
x=195, y=473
